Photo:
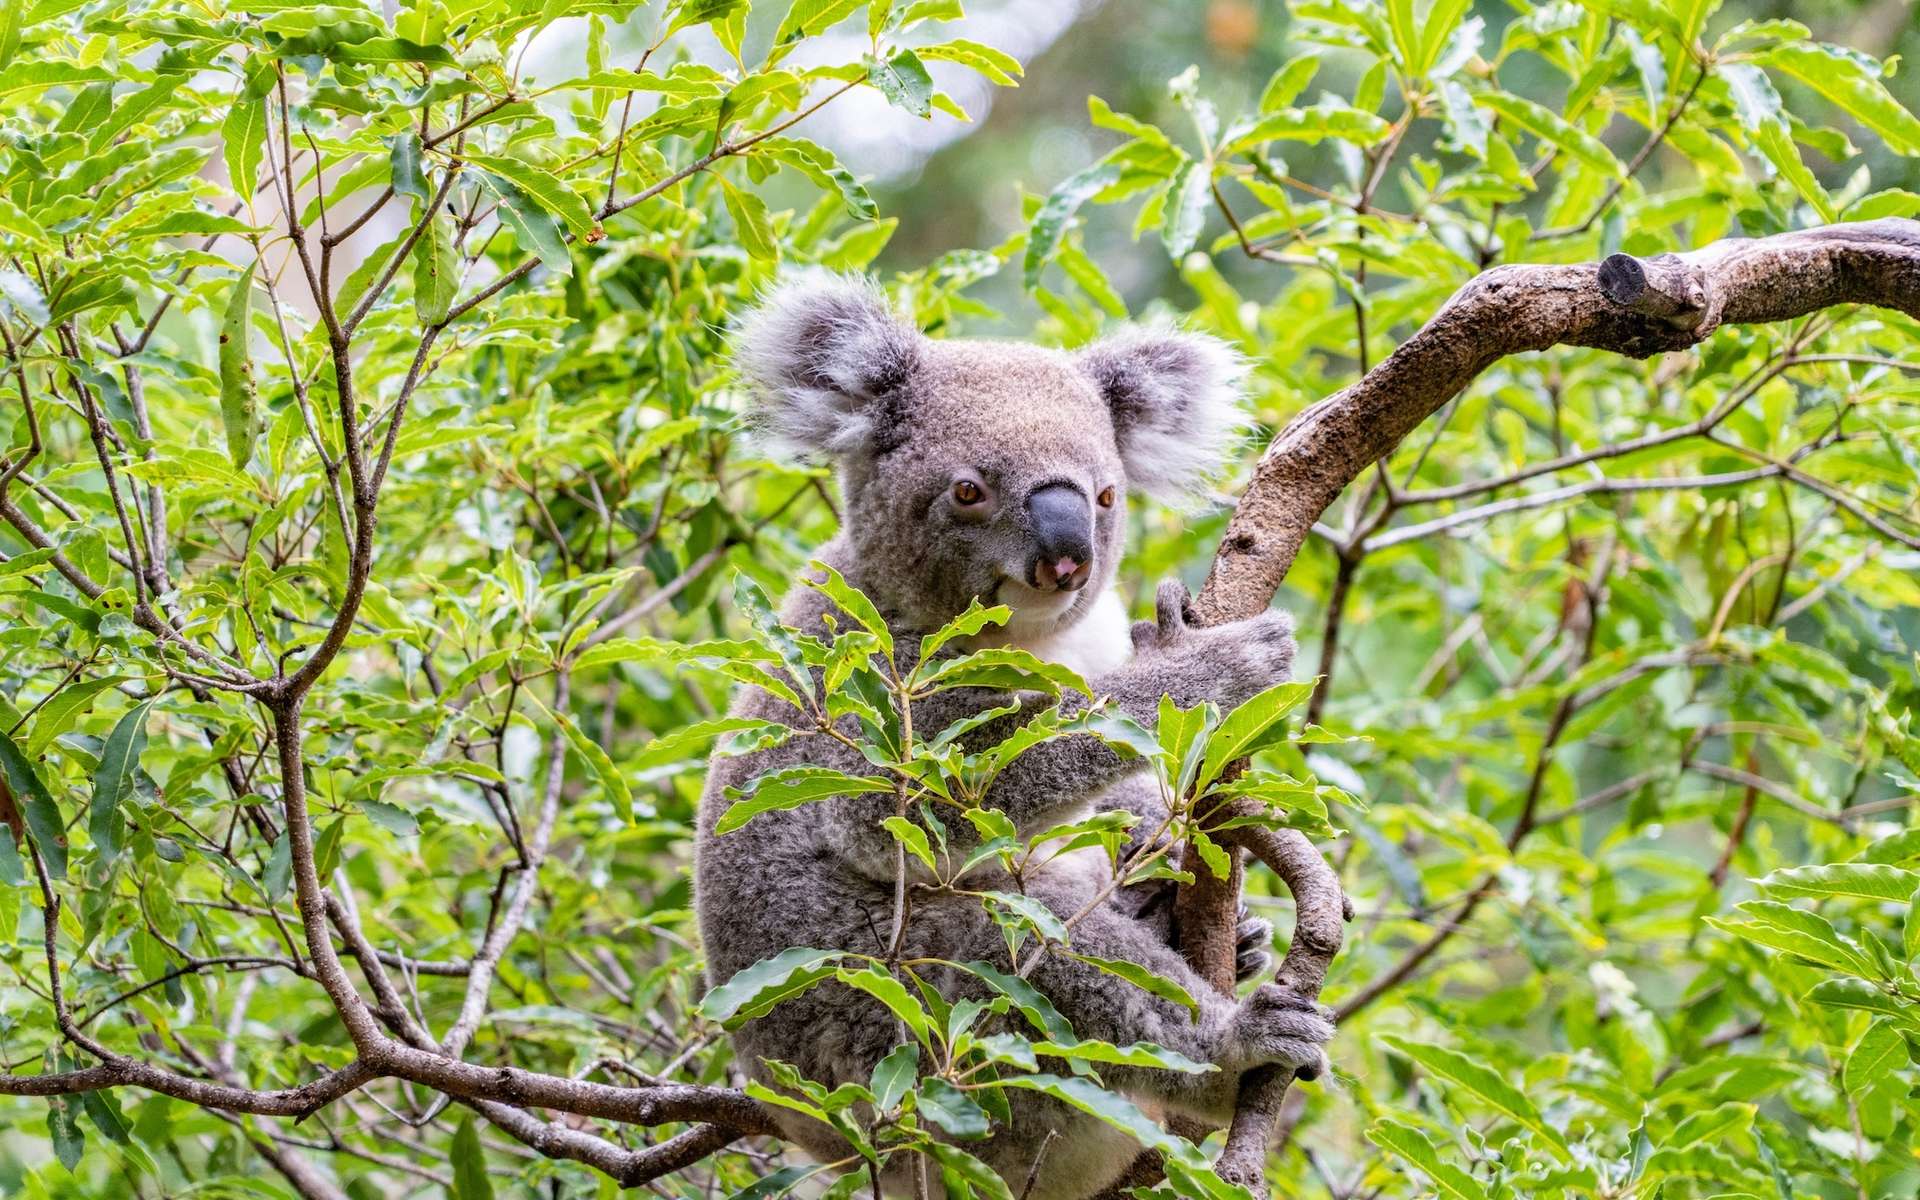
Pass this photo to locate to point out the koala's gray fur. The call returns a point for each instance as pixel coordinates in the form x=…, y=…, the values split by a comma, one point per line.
x=836, y=373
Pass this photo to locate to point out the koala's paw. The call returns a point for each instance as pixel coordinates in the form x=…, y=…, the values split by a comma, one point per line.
x=1275, y=1026
x=1253, y=953
x=1227, y=664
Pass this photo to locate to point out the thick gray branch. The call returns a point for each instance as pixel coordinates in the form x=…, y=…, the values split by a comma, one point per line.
x=1627, y=305
x=1631, y=306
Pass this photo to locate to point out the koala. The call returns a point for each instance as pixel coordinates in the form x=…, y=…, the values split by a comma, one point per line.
x=996, y=471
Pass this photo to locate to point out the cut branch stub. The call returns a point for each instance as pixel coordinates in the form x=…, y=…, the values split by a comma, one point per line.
x=1632, y=306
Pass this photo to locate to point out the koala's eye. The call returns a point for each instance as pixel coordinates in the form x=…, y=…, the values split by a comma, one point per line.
x=1106, y=497
x=968, y=492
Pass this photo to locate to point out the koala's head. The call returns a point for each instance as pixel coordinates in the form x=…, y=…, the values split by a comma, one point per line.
x=995, y=470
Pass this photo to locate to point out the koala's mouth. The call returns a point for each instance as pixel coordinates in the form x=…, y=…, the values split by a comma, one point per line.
x=1033, y=607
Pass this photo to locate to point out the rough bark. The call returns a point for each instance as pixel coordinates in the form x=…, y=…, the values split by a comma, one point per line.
x=1632, y=306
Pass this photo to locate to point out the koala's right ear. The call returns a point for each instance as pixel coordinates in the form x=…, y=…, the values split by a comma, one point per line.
x=822, y=354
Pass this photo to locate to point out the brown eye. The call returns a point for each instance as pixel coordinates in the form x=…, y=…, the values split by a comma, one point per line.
x=968, y=492
x=1106, y=497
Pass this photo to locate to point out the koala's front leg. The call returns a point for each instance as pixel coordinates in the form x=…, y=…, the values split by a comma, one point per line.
x=1269, y=1027
x=1046, y=781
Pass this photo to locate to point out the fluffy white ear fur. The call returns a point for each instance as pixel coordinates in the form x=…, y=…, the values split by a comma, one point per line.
x=819, y=350
x=1176, y=405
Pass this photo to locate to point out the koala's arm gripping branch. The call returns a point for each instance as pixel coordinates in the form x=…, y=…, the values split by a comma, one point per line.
x=1632, y=306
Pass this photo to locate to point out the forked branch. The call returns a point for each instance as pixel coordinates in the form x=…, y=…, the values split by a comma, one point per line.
x=1632, y=306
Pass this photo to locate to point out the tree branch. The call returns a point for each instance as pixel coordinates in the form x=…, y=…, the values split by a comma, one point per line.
x=1632, y=306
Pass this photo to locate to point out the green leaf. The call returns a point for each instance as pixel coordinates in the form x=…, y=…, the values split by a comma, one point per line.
x=1777, y=144
x=1841, y=77
x=693, y=740
x=1344, y=122
x=239, y=393
x=392, y=50
x=967, y=624
x=750, y=222
x=277, y=875
x=997, y=65
x=1253, y=726
x=806, y=18
x=984, y=1180
x=103, y=1109
x=1868, y=997
x=1105, y=117
x=1902, y=847
x=470, y=1179
x=1405, y=1142
x=1028, y=911
x=777, y=1183
x=22, y=295
x=768, y=981
x=31, y=76
x=1855, y=881
x=44, y=822
x=1111, y=1108
x=790, y=787
x=875, y=982
x=532, y=227
x=244, y=135
x=63, y=1128
x=1286, y=84
x=904, y=81
x=702, y=12
x=1435, y=30
x=1186, y=209
x=113, y=780
x=1797, y=931
x=1881, y=1050
x=829, y=583
x=1050, y=223
x=1038, y=1010
x=894, y=1075
x=817, y=163
x=1552, y=129
x=1708, y=1127
x=1483, y=1082
x=65, y=707
x=552, y=195
x=1144, y=979
x=612, y=780
x=1137, y=1054
x=752, y=602
x=403, y=158
x=436, y=273
x=12, y=13
x=1001, y=668
x=912, y=837
x=951, y=1109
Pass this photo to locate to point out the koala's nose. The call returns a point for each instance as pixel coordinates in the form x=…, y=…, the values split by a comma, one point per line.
x=1062, y=524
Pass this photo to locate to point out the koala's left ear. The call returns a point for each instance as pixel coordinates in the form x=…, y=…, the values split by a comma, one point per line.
x=1175, y=399
x=823, y=354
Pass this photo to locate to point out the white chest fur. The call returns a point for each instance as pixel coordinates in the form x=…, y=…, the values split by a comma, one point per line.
x=1095, y=644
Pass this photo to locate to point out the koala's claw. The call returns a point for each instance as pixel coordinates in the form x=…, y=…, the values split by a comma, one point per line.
x=1275, y=1026
x=1253, y=954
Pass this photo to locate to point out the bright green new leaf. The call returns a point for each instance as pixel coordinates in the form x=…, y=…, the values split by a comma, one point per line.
x=1487, y=1085
x=470, y=1180
x=239, y=392
x=1410, y=1144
